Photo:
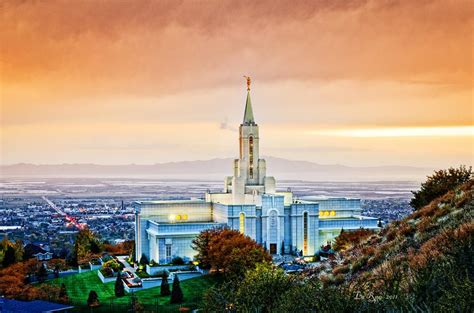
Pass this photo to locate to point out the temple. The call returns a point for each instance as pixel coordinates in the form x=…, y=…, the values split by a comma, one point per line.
x=249, y=203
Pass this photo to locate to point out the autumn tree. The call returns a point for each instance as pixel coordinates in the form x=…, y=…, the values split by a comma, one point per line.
x=202, y=245
x=228, y=251
x=438, y=184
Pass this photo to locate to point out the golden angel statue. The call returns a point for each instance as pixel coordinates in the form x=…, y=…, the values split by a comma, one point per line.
x=248, y=82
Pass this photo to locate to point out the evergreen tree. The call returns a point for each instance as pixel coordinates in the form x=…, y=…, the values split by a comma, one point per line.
x=56, y=271
x=176, y=293
x=136, y=306
x=119, y=288
x=9, y=257
x=93, y=299
x=132, y=255
x=63, y=297
x=144, y=259
x=165, y=286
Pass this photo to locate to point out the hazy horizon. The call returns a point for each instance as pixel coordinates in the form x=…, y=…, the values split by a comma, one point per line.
x=359, y=83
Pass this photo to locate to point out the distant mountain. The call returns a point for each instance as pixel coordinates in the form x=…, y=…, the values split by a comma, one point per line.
x=216, y=169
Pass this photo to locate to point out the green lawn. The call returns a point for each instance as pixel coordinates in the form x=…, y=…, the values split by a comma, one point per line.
x=79, y=285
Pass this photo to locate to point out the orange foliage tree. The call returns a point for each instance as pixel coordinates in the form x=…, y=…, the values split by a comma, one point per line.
x=228, y=251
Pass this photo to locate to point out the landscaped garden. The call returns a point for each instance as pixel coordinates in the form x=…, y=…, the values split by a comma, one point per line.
x=78, y=288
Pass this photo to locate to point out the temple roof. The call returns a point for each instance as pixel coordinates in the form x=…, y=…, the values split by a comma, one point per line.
x=248, y=115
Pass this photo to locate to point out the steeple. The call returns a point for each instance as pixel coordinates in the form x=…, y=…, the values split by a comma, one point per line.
x=248, y=115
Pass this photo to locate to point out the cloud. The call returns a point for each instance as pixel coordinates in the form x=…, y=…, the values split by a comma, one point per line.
x=226, y=126
x=151, y=47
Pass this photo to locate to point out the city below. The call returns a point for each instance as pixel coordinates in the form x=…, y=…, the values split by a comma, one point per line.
x=49, y=212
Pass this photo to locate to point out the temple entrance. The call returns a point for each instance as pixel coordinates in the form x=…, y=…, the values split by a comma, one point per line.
x=273, y=248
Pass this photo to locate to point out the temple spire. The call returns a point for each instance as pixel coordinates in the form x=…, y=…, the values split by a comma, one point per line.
x=248, y=115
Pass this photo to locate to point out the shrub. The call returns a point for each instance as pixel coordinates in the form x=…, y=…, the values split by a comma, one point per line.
x=165, y=286
x=116, y=266
x=119, y=288
x=107, y=272
x=177, y=261
x=341, y=269
x=438, y=184
x=339, y=279
x=93, y=299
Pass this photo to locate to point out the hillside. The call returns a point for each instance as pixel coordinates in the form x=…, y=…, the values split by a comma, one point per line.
x=424, y=262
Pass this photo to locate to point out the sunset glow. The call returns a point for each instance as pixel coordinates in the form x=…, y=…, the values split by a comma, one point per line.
x=455, y=131
x=105, y=82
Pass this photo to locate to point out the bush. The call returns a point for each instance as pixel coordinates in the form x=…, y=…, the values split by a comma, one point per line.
x=177, y=261
x=107, y=272
x=116, y=266
x=438, y=184
x=341, y=269
x=93, y=299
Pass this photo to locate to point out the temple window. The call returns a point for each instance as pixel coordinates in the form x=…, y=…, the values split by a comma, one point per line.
x=242, y=223
x=251, y=157
x=305, y=233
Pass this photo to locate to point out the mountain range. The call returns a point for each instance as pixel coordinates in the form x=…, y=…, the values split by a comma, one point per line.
x=217, y=169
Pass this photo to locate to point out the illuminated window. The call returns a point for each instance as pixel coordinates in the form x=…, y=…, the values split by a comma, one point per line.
x=242, y=223
x=178, y=217
x=184, y=217
x=305, y=233
x=251, y=157
x=333, y=213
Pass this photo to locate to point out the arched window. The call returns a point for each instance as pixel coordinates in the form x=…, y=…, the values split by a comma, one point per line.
x=305, y=233
x=251, y=157
x=242, y=223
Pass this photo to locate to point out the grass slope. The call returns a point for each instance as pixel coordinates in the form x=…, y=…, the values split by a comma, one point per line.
x=78, y=287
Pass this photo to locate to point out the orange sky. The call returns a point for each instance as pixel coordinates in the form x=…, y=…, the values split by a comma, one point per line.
x=347, y=82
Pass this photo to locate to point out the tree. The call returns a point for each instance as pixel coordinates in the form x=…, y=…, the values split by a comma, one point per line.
x=9, y=257
x=63, y=296
x=165, y=286
x=86, y=244
x=93, y=299
x=136, y=306
x=202, y=245
x=259, y=291
x=438, y=184
x=176, y=294
x=119, y=288
x=228, y=251
x=42, y=273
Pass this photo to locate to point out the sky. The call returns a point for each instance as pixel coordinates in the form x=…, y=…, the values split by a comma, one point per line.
x=359, y=83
